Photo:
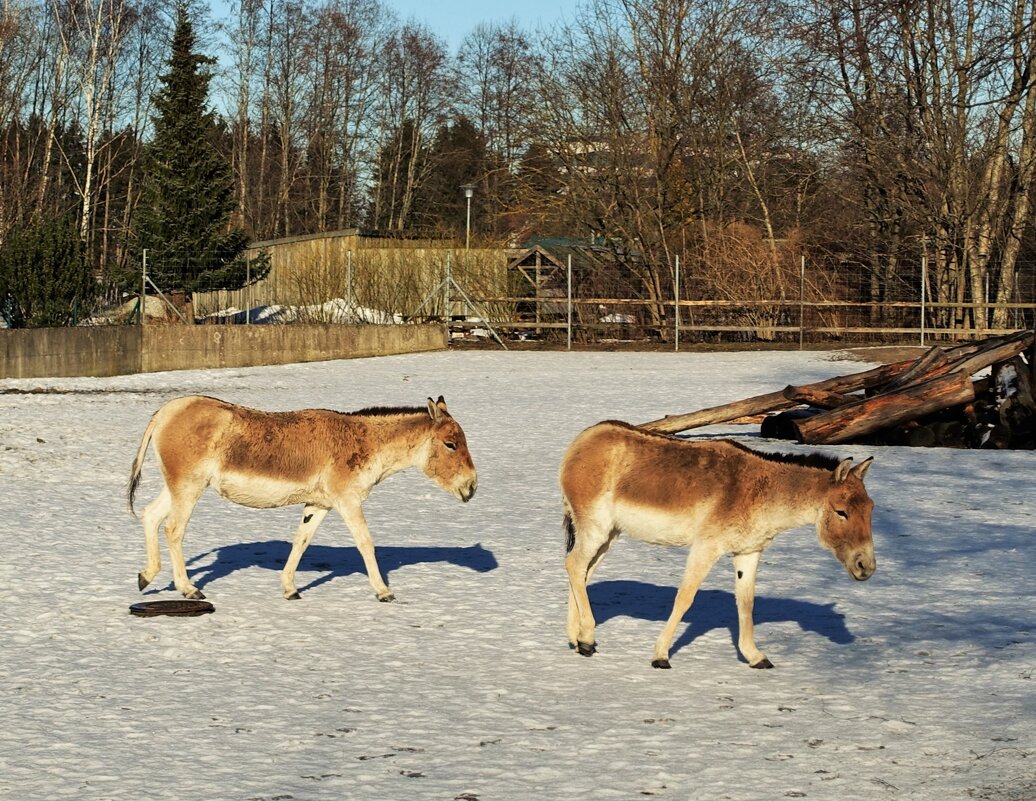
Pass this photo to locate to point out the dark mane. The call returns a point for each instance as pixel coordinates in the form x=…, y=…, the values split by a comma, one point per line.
x=818, y=461
x=645, y=431
x=387, y=411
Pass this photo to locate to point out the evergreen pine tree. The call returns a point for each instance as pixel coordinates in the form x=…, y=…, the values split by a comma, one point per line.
x=187, y=200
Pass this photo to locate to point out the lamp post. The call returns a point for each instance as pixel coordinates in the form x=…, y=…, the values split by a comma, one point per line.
x=469, y=190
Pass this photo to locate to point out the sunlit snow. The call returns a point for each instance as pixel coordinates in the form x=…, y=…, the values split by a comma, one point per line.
x=916, y=684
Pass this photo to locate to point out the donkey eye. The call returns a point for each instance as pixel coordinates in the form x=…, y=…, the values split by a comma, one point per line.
x=451, y=445
x=841, y=514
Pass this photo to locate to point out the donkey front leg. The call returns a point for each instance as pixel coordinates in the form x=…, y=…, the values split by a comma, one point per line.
x=699, y=562
x=312, y=516
x=352, y=514
x=745, y=566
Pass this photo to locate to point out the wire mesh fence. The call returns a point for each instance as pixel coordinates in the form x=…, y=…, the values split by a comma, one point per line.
x=581, y=295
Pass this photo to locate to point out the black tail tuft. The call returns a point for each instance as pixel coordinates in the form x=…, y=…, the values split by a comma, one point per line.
x=131, y=490
x=570, y=534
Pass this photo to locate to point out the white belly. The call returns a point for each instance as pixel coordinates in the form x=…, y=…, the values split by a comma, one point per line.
x=262, y=492
x=661, y=527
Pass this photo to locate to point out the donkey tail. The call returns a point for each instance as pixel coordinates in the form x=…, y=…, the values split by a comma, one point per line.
x=138, y=461
x=570, y=533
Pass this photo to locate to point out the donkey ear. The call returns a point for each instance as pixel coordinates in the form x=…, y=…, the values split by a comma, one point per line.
x=441, y=403
x=434, y=411
x=842, y=471
x=861, y=469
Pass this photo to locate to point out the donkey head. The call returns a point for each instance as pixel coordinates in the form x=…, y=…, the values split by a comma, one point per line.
x=844, y=525
x=448, y=462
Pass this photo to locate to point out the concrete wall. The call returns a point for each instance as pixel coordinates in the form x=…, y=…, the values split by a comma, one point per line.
x=95, y=351
x=119, y=350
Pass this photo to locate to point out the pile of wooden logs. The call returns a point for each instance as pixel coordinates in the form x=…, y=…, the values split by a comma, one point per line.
x=934, y=400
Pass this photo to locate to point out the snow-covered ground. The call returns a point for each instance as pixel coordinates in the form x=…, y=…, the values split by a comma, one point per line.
x=916, y=684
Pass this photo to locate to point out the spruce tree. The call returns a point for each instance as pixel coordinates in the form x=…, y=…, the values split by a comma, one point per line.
x=187, y=200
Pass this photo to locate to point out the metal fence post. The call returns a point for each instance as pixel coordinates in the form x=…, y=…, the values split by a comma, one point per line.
x=248, y=288
x=446, y=297
x=143, y=284
x=569, y=301
x=924, y=280
x=802, y=300
x=349, y=280
x=676, y=308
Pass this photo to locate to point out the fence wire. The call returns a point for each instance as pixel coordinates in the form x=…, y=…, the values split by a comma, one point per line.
x=480, y=292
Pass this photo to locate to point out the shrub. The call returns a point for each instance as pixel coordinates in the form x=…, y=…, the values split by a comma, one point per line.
x=45, y=278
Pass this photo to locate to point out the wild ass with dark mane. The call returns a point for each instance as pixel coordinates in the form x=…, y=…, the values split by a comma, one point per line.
x=718, y=497
x=322, y=459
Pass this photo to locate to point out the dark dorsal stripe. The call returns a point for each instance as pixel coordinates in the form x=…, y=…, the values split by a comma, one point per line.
x=388, y=411
x=818, y=461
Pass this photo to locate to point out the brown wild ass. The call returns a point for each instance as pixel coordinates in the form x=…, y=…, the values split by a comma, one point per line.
x=322, y=459
x=718, y=497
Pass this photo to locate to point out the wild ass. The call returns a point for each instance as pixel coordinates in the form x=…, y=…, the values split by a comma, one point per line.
x=718, y=497
x=322, y=459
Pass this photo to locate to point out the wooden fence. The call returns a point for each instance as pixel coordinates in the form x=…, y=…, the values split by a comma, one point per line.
x=480, y=292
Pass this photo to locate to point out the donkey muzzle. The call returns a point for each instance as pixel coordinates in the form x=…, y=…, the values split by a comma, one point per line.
x=861, y=565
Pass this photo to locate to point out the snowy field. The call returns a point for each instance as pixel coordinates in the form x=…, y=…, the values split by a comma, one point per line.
x=916, y=684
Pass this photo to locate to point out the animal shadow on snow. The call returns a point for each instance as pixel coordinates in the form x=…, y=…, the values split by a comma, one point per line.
x=330, y=561
x=712, y=609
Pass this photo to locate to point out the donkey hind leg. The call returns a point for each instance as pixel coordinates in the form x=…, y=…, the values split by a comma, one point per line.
x=699, y=561
x=573, y=609
x=312, y=516
x=745, y=566
x=592, y=541
x=183, y=505
x=352, y=514
x=154, y=515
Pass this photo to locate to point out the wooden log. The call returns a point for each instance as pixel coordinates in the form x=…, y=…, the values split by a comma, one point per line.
x=774, y=401
x=970, y=358
x=998, y=350
x=886, y=410
x=934, y=358
x=822, y=399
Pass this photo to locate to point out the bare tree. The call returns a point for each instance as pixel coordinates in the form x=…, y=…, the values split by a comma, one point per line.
x=414, y=101
x=495, y=90
x=345, y=63
x=92, y=34
x=645, y=112
x=932, y=101
x=22, y=53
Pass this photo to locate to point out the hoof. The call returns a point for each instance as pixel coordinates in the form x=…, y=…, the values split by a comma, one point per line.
x=293, y=597
x=587, y=648
x=141, y=582
x=661, y=664
x=194, y=595
x=387, y=599
x=763, y=664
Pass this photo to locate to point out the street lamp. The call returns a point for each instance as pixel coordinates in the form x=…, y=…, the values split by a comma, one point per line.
x=469, y=190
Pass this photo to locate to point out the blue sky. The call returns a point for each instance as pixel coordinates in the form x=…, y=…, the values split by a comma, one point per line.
x=453, y=19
